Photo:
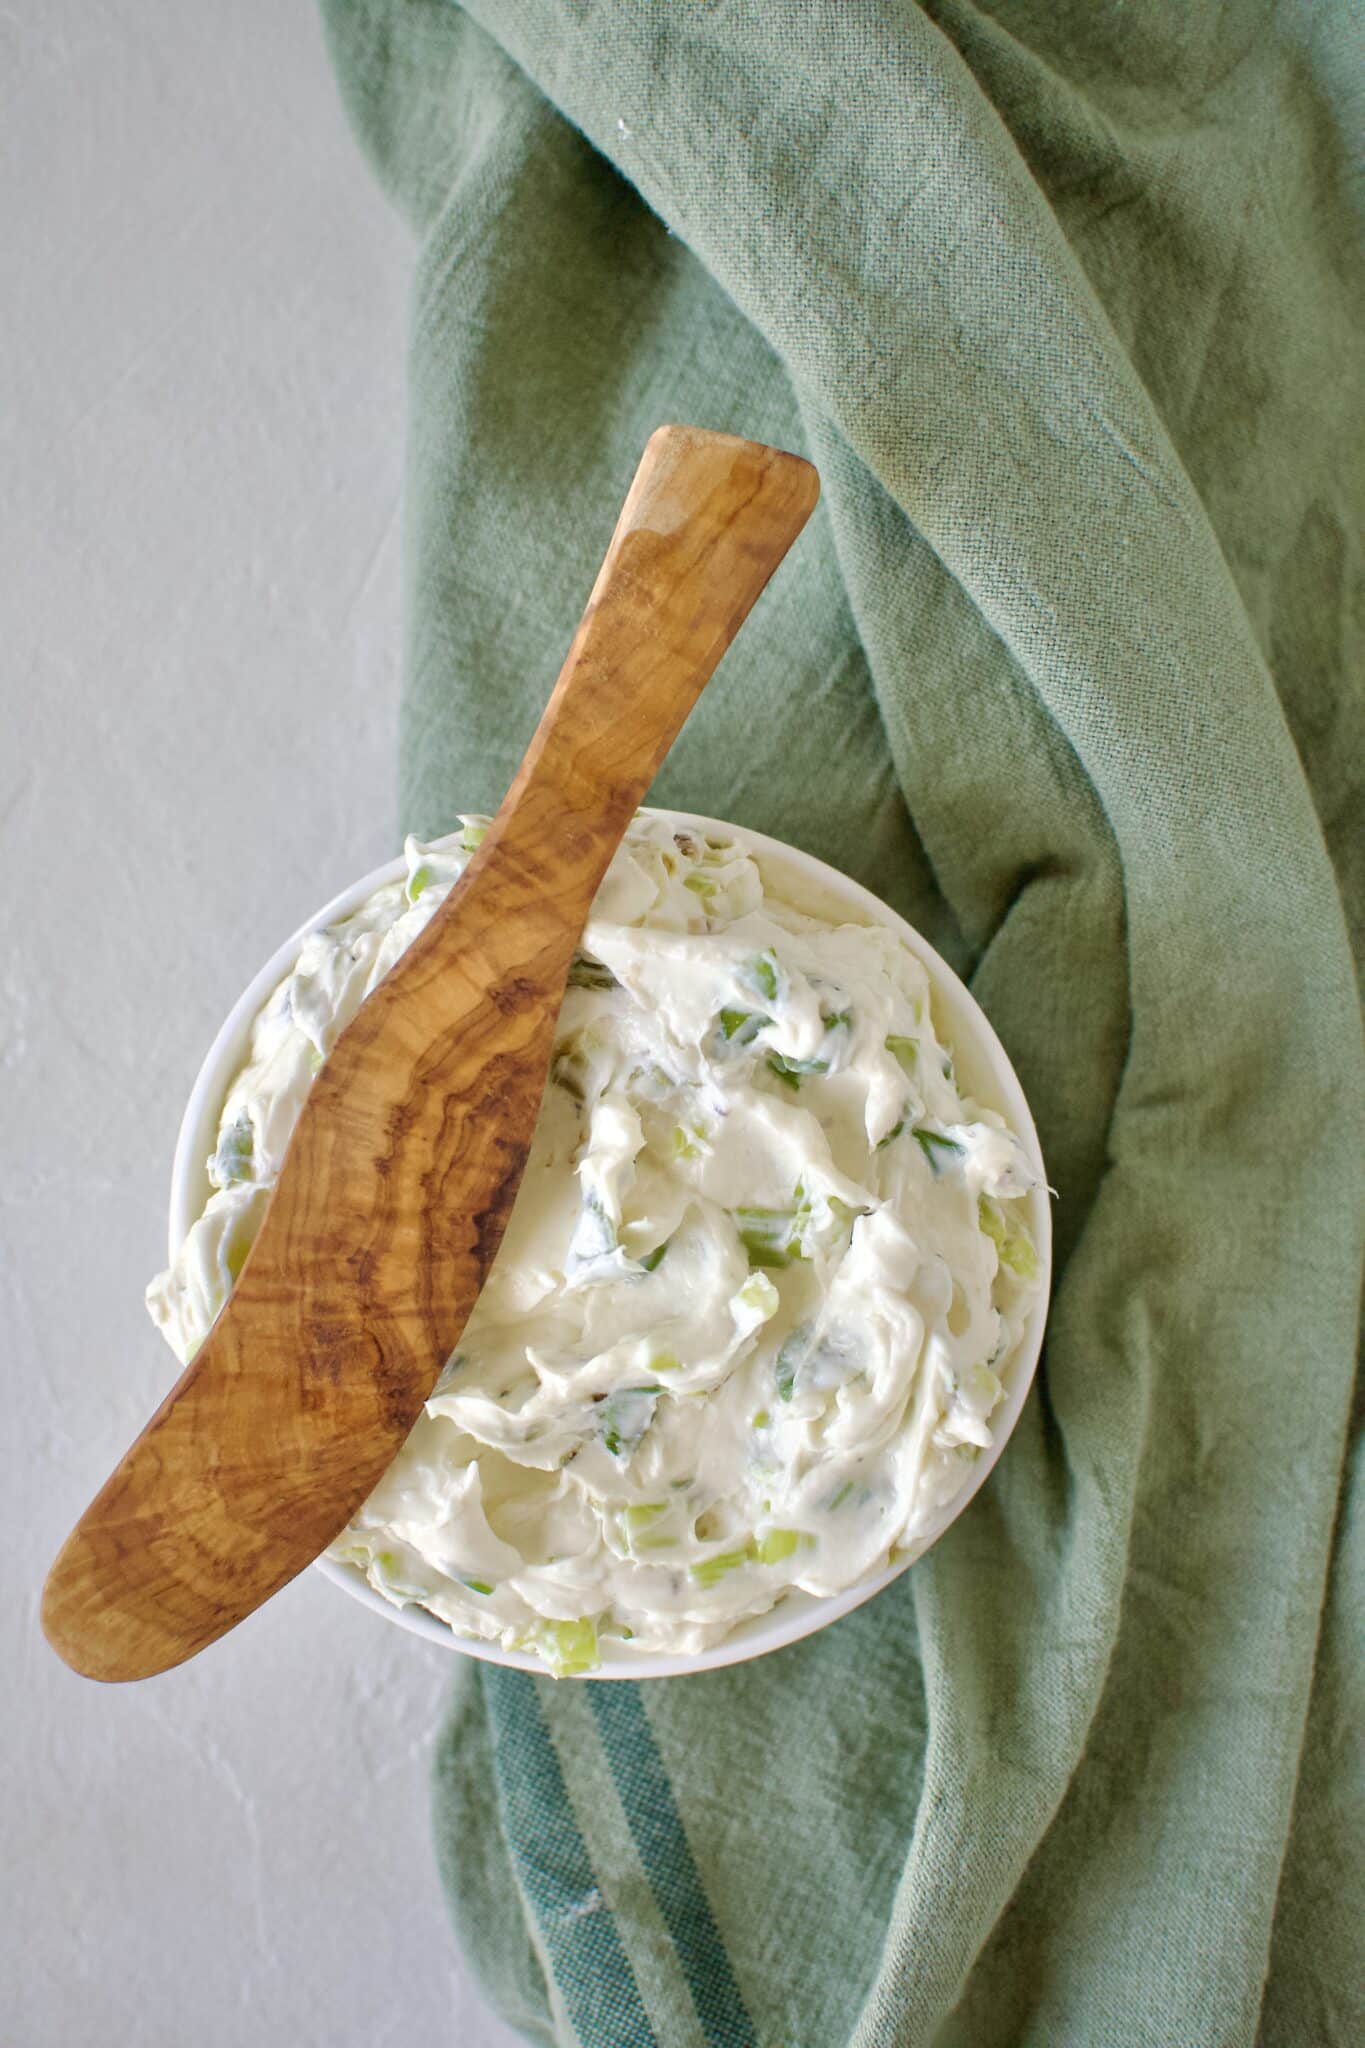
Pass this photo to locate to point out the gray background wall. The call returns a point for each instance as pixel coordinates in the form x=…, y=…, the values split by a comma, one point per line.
x=201, y=346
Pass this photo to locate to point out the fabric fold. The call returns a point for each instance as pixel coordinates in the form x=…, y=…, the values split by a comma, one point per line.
x=1065, y=305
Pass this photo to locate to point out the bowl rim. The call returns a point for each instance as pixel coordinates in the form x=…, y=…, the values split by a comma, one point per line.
x=798, y=1614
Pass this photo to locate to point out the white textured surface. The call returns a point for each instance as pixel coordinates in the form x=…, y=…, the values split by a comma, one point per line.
x=200, y=428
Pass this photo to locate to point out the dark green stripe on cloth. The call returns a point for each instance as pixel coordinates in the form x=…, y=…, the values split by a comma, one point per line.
x=652, y=1811
x=591, y=1973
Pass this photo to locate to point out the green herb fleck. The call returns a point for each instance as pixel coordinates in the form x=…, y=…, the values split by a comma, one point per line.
x=587, y=973
x=768, y=1236
x=710, y=1570
x=817, y=1362
x=982, y=1388
x=571, y=1647
x=905, y=1051
x=763, y=971
x=759, y=1293
x=789, y=1360
x=624, y=1417
x=742, y=1026
x=934, y=1146
x=789, y=1072
x=1015, y=1250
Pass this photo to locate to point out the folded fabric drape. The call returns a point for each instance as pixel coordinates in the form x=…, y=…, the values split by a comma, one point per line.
x=1066, y=304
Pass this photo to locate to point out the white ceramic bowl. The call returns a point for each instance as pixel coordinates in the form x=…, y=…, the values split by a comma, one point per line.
x=983, y=1072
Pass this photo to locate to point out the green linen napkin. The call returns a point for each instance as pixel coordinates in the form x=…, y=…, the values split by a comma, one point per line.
x=1065, y=302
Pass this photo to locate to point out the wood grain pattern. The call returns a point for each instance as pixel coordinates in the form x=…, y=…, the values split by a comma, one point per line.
x=407, y=1156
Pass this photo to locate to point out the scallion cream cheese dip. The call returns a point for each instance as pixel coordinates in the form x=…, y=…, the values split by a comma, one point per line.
x=764, y=1277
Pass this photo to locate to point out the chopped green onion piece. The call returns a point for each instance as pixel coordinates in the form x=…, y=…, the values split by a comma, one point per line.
x=982, y=1388
x=933, y=1145
x=905, y=1051
x=473, y=836
x=653, y=1260
x=759, y=1293
x=763, y=973
x=841, y=1496
x=743, y=1026
x=1014, y=1250
x=777, y=1545
x=571, y=1647
x=789, y=1072
x=768, y=1236
x=665, y=1361
x=683, y=1145
x=789, y=1359
x=820, y=1362
x=894, y=1132
x=699, y=885
x=712, y=1569
x=476, y=1585
x=587, y=973
x=420, y=879
x=760, y=1419
x=645, y=1512
x=625, y=1416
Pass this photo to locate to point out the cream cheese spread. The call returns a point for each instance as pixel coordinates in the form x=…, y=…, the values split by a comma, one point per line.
x=763, y=1280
